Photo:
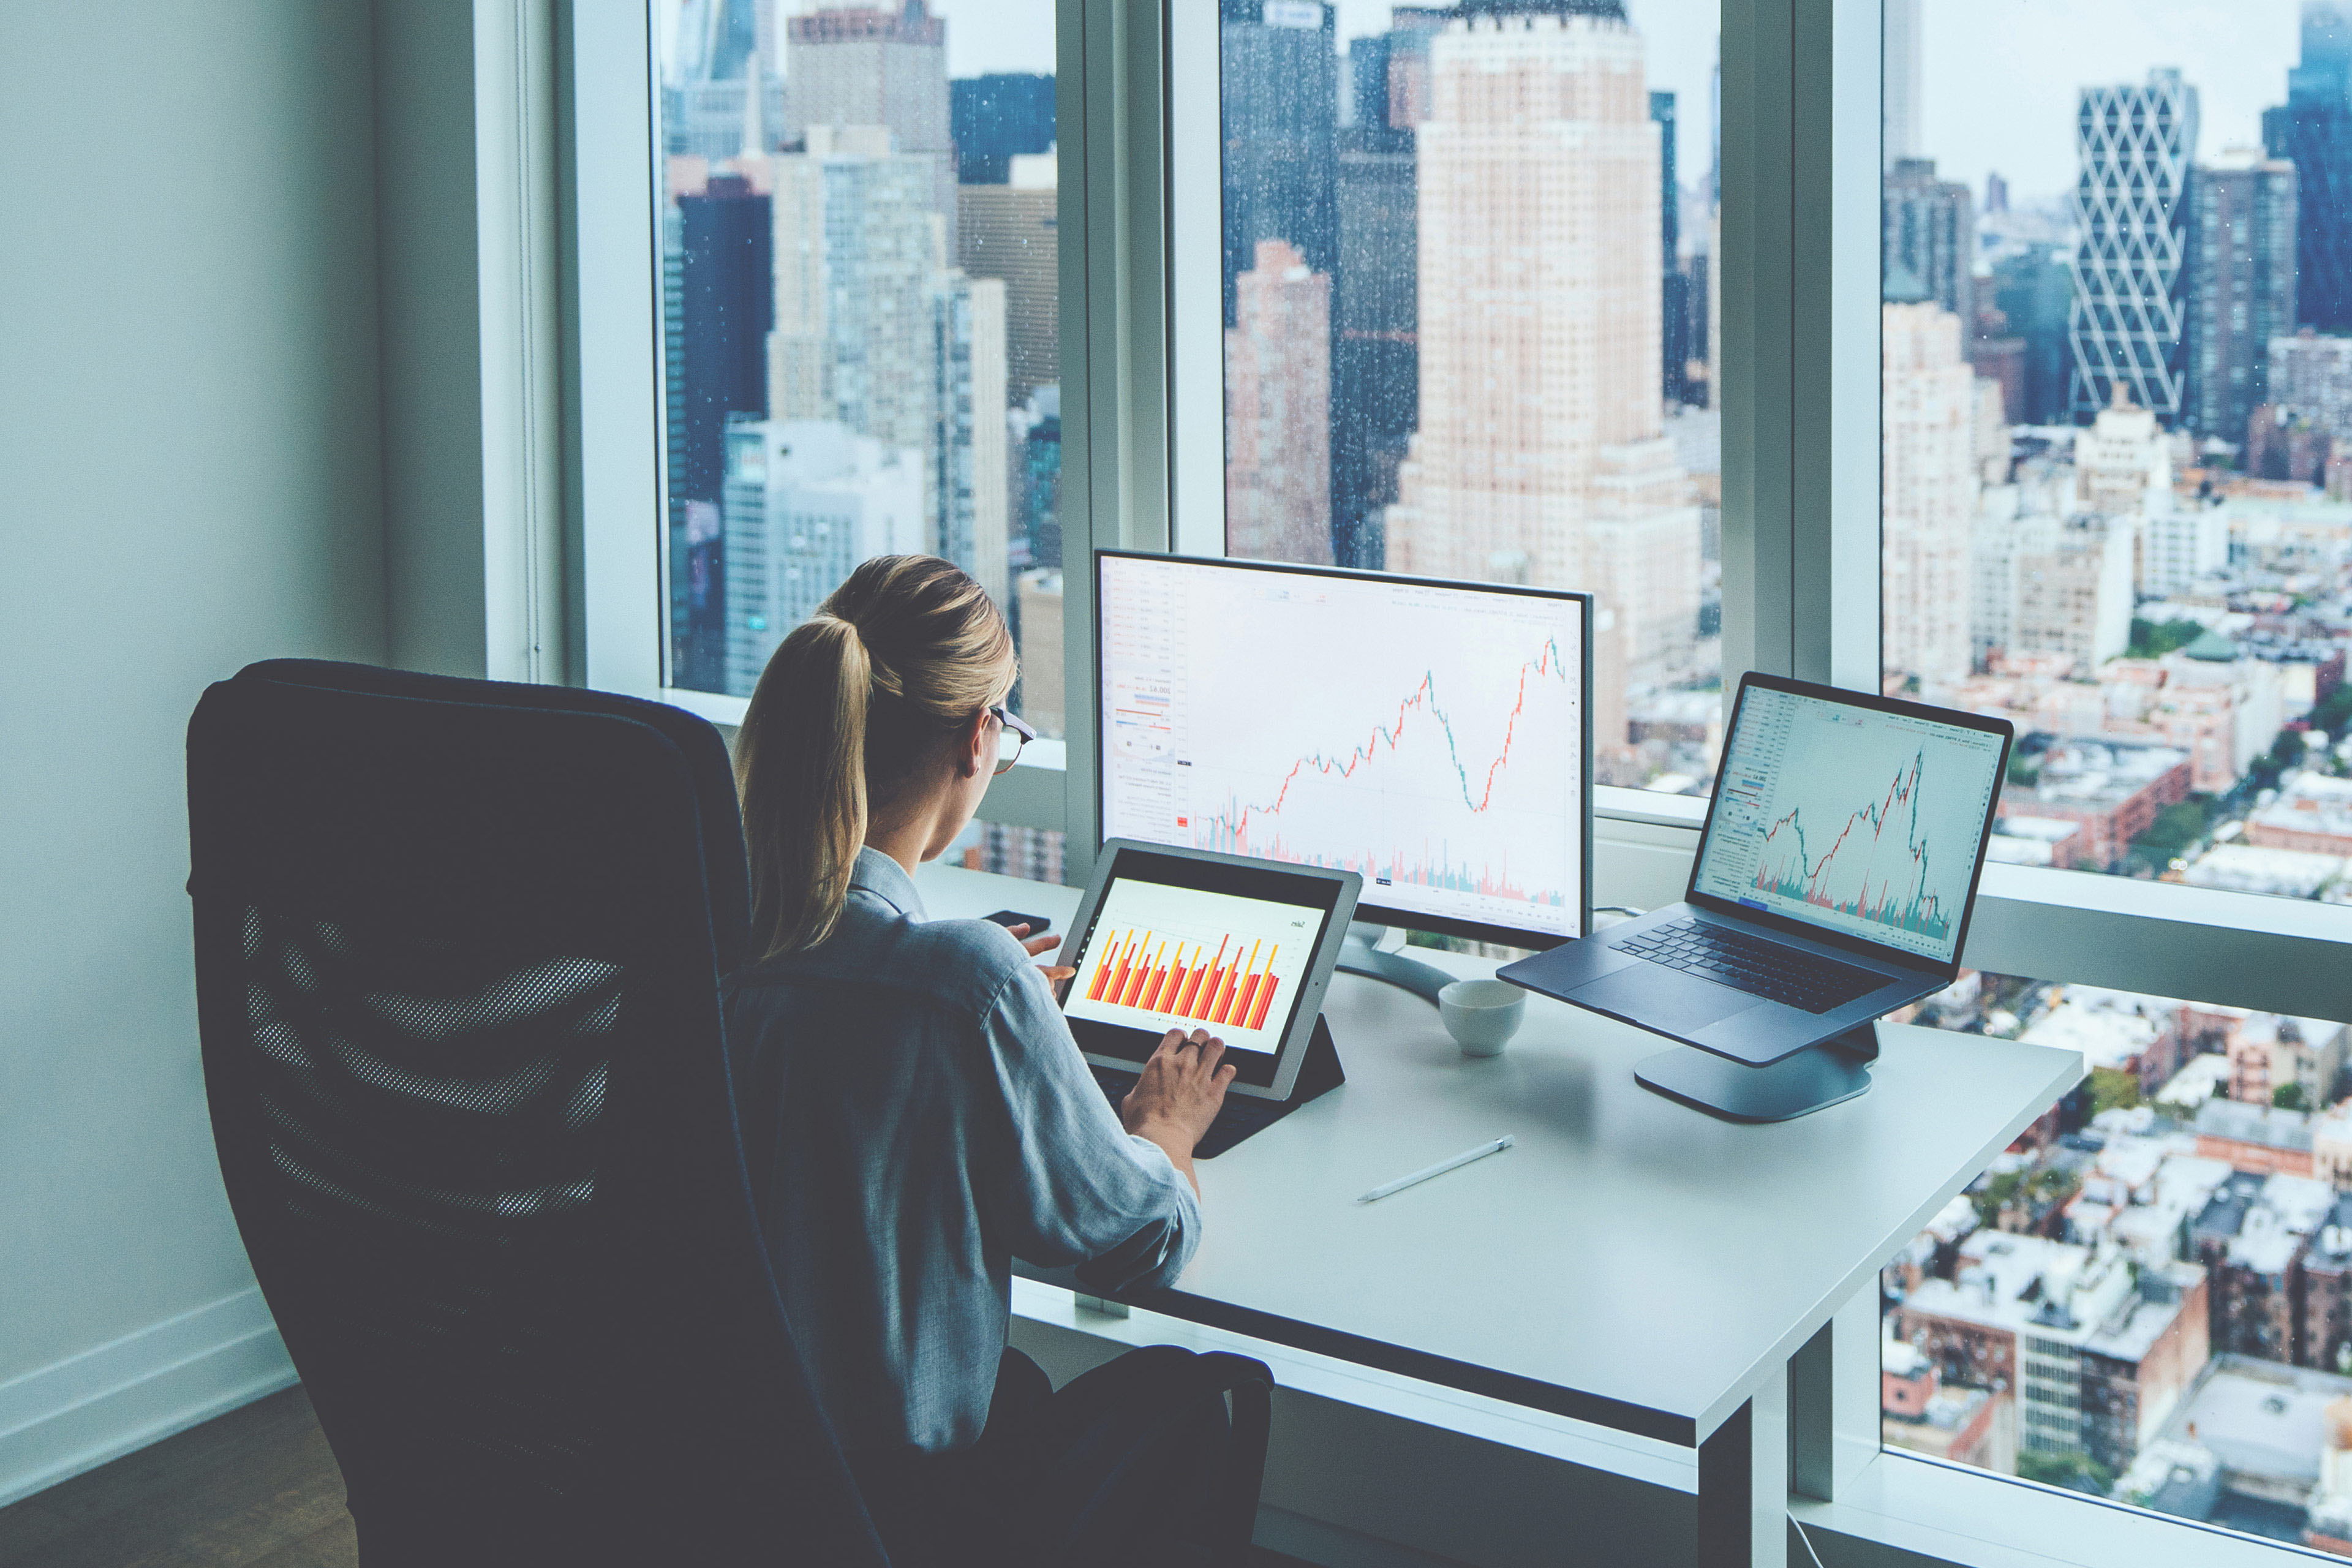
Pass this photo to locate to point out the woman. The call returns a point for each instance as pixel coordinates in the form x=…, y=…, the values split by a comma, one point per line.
x=916, y=1113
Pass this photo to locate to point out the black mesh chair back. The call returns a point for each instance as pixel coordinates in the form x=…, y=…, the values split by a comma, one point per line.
x=458, y=950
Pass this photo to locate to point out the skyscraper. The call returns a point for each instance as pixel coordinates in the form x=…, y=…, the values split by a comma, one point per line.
x=1929, y=487
x=1375, y=351
x=2035, y=290
x=1280, y=124
x=1673, y=285
x=966, y=451
x=1008, y=231
x=2313, y=131
x=1279, y=411
x=1927, y=226
x=721, y=54
x=2242, y=287
x=2133, y=147
x=874, y=330
x=992, y=117
x=723, y=307
x=806, y=501
x=876, y=65
x=1540, y=455
x=1899, y=72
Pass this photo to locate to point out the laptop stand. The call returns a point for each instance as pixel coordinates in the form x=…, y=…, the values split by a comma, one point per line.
x=1836, y=1069
x=1243, y=1115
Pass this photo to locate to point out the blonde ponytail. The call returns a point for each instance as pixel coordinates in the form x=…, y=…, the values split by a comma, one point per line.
x=853, y=700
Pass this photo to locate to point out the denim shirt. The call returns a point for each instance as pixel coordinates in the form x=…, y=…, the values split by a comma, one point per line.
x=915, y=1116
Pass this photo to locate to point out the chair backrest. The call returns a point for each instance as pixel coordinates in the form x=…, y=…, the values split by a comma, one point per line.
x=458, y=952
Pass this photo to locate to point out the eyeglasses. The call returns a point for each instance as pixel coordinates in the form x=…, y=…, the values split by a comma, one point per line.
x=1015, y=734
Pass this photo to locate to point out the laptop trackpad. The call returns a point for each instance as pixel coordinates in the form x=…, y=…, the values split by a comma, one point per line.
x=1663, y=999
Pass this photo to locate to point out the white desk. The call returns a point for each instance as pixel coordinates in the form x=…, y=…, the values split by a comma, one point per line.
x=1632, y=1262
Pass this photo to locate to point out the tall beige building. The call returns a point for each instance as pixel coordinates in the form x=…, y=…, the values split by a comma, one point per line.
x=1009, y=232
x=1928, y=488
x=1541, y=455
x=883, y=65
x=1278, y=410
x=874, y=328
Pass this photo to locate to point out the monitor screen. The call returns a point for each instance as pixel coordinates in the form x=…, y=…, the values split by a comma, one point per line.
x=1851, y=819
x=1431, y=737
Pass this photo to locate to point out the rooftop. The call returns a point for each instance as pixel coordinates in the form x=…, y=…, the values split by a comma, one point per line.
x=2262, y=1124
x=2107, y=1036
x=2264, y=1421
x=2310, y=803
x=2080, y=770
x=2082, y=1296
x=2196, y=1082
x=2253, y=868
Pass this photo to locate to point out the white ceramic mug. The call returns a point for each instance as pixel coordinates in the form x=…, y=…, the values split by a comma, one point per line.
x=1482, y=1015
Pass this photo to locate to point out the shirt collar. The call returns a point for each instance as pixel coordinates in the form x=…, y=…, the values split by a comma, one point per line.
x=877, y=874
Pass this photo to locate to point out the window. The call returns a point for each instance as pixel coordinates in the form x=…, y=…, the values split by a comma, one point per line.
x=2154, y=1277
x=1466, y=321
x=1859, y=312
x=2108, y=411
x=2107, y=298
x=861, y=345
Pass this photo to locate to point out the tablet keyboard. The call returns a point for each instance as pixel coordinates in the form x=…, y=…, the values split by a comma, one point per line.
x=1241, y=1115
x=1789, y=975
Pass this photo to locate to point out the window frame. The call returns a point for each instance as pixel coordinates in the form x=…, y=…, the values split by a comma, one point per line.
x=1142, y=453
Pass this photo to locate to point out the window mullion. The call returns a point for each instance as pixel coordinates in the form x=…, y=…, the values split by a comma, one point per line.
x=1834, y=584
x=1758, y=356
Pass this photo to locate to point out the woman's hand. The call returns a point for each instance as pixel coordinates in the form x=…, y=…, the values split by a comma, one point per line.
x=1179, y=1093
x=1057, y=975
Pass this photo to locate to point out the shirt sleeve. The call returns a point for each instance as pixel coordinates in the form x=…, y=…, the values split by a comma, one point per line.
x=1080, y=1188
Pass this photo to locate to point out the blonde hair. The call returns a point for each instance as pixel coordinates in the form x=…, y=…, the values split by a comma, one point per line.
x=852, y=703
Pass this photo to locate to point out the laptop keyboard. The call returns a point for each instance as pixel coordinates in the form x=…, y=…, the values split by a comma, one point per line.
x=1241, y=1115
x=1785, y=975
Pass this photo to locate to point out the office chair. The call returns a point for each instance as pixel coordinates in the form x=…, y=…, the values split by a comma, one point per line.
x=458, y=952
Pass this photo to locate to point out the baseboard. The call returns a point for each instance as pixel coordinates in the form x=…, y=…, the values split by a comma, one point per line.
x=1332, y=1546
x=75, y=1416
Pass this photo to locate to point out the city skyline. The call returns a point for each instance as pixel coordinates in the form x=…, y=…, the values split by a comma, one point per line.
x=1018, y=35
x=2088, y=43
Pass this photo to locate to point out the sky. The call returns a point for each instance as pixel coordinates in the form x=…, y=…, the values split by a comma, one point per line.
x=1999, y=76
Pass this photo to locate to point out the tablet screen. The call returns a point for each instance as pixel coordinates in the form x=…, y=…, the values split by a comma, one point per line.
x=1185, y=944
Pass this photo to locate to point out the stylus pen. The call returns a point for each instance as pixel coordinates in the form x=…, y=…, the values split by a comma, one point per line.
x=1456, y=1163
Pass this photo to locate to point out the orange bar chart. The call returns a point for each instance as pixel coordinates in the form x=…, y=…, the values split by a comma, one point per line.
x=1144, y=969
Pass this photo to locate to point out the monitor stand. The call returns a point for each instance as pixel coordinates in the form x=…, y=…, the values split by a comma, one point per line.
x=1358, y=955
x=1836, y=1069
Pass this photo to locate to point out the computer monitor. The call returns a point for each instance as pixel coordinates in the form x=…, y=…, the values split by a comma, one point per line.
x=1436, y=738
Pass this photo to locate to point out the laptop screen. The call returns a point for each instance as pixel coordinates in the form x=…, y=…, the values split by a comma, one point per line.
x=1851, y=819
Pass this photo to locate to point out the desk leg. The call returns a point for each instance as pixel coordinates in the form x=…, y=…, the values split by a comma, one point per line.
x=1743, y=1484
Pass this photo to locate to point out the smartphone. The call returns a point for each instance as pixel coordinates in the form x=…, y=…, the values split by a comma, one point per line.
x=1038, y=925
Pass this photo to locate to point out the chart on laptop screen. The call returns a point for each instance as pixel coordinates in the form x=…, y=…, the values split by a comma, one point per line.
x=1180, y=958
x=1429, y=738
x=1866, y=822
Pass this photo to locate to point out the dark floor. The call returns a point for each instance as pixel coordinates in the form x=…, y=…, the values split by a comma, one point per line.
x=255, y=1488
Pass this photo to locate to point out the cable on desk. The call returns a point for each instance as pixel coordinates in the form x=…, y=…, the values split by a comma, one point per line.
x=1807, y=1538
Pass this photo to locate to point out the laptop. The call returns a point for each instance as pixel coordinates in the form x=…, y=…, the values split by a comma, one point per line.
x=1833, y=881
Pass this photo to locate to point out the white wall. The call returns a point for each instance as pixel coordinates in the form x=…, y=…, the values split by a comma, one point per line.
x=189, y=479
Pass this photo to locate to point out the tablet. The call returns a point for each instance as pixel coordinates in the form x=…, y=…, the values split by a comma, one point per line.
x=1191, y=939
